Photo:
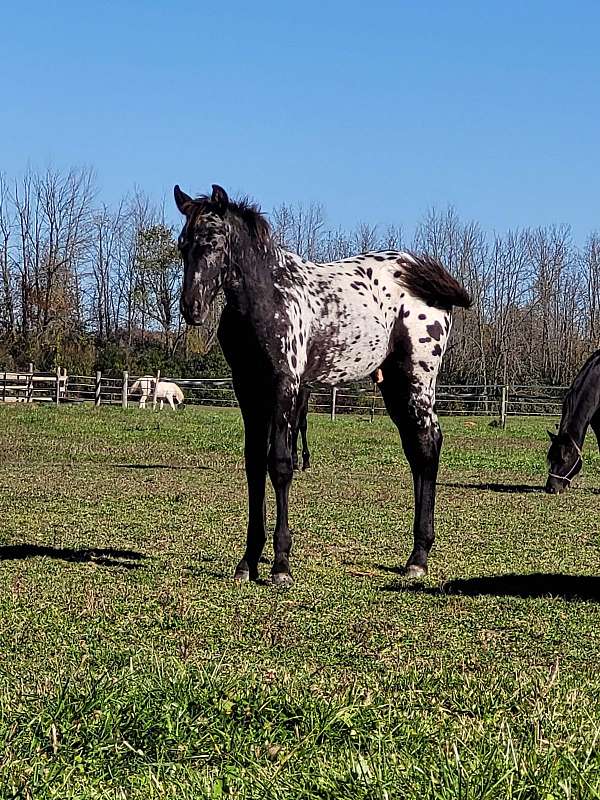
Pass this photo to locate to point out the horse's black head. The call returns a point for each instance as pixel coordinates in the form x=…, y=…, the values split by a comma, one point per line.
x=564, y=462
x=203, y=244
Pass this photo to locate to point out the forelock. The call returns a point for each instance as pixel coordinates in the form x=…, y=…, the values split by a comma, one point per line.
x=244, y=210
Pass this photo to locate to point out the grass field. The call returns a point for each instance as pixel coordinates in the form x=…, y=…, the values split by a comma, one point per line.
x=132, y=667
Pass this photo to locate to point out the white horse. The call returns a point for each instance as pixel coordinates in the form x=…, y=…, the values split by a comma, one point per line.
x=166, y=391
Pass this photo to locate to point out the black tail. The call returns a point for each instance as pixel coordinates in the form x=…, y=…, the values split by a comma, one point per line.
x=427, y=279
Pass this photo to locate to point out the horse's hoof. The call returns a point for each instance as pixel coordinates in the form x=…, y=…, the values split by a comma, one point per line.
x=414, y=571
x=305, y=466
x=282, y=580
x=242, y=576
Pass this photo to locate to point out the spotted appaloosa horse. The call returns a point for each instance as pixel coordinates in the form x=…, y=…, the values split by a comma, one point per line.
x=581, y=408
x=287, y=321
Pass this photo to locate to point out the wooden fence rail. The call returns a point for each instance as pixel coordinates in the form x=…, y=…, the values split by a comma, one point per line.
x=58, y=387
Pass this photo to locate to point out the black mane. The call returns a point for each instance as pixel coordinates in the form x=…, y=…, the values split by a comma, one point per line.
x=573, y=395
x=246, y=210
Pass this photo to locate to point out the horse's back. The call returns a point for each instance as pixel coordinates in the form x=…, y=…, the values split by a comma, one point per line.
x=367, y=310
x=166, y=388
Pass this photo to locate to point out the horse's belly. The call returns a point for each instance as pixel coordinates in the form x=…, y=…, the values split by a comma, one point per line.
x=348, y=361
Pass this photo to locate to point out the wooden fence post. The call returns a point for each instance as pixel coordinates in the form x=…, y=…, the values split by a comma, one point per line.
x=333, y=398
x=373, y=402
x=98, y=389
x=29, y=393
x=125, y=389
x=4, y=388
x=503, y=406
x=57, y=394
x=155, y=389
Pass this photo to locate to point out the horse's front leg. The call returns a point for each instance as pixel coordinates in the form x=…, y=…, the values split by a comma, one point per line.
x=256, y=441
x=281, y=472
x=424, y=446
x=421, y=438
x=595, y=425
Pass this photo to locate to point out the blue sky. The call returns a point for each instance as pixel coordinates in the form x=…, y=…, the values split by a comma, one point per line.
x=377, y=110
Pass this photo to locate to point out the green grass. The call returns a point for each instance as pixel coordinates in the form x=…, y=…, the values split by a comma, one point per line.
x=144, y=672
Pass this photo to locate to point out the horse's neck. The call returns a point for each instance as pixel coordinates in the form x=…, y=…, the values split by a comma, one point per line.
x=584, y=402
x=575, y=427
x=249, y=280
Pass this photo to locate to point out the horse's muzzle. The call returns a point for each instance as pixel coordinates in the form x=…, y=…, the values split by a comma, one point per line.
x=193, y=311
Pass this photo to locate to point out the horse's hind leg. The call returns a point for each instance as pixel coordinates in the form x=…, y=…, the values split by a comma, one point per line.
x=300, y=427
x=281, y=472
x=305, y=450
x=303, y=424
x=411, y=408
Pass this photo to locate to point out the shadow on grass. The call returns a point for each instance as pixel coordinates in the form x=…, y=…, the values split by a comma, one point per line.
x=396, y=570
x=508, y=488
x=537, y=584
x=105, y=557
x=511, y=488
x=160, y=466
x=205, y=565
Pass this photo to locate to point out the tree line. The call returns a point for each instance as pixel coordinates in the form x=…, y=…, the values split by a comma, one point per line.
x=86, y=285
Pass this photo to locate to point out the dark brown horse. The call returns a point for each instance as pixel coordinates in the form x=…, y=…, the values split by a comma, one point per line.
x=580, y=410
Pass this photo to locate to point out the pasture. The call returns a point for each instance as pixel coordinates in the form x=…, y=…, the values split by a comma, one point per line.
x=132, y=667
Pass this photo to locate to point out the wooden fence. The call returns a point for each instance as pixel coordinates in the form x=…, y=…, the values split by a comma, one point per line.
x=58, y=387
x=30, y=386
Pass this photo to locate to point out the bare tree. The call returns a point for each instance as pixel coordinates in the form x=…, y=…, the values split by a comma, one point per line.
x=7, y=301
x=365, y=238
x=590, y=267
x=159, y=270
x=299, y=228
x=53, y=213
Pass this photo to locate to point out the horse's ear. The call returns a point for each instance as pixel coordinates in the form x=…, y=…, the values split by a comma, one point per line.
x=552, y=435
x=219, y=198
x=183, y=201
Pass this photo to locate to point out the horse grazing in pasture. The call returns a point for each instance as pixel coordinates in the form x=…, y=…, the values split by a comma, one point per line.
x=287, y=321
x=580, y=409
x=167, y=390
